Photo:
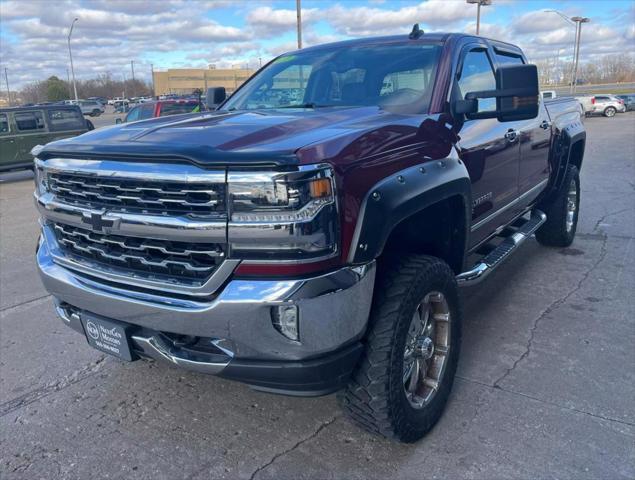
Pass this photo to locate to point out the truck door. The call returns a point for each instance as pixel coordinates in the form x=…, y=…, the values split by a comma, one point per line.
x=489, y=148
x=535, y=138
x=8, y=143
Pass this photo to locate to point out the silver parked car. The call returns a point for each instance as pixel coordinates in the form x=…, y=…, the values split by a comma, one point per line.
x=608, y=105
x=92, y=108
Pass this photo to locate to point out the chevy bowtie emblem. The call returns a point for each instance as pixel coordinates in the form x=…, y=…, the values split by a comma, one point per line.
x=99, y=221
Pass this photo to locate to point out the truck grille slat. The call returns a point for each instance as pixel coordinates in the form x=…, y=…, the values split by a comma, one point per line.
x=181, y=261
x=135, y=195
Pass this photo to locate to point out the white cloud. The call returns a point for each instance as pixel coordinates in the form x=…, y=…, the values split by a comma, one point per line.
x=170, y=33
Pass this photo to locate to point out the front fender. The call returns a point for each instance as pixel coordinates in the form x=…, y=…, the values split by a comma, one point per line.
x=404, y=194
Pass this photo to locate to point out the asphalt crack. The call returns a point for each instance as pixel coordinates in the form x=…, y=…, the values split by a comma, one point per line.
x=289, y=450
x=46, y=390
x=555, y=304
x=546, y=402
x=609, y=214
x=11, y=308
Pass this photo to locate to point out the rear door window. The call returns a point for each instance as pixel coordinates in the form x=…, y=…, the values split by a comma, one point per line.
x=65, y=119
x=30, y=121
x=4, y=123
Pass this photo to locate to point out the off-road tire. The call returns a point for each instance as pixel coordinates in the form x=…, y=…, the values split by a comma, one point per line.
x=609, y=112
x=375, y=398
x=554, y=232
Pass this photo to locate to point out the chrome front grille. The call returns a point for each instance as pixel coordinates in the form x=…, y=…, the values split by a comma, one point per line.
x=137, y=195
x=158, y=260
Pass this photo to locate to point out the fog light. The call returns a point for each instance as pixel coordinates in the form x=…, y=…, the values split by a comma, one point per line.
x=285, y=320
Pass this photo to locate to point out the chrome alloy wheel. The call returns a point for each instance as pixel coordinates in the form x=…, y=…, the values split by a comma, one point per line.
x=427, y=349
x=572, y=204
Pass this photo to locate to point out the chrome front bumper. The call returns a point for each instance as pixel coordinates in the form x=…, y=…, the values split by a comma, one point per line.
x=333, y=309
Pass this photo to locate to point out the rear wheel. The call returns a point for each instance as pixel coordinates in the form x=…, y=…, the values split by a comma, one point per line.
x=610, y=111
x=404, y=379
x=562, y=212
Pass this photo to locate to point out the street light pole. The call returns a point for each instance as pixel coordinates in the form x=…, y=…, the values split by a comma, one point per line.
x=298, y=9
x=479, y=3
x=152, y=78
x=70, y=54
x=578, y=33
x=132, y=88
x=6, y=79
x=577, y=23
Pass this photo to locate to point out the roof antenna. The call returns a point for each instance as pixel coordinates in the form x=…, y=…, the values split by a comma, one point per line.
x=416, y=32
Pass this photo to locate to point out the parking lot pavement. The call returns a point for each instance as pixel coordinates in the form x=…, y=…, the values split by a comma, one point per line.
x=106, y=119
x=545, y=388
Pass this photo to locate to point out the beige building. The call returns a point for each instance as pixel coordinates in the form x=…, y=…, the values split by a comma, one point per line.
x=186, y=80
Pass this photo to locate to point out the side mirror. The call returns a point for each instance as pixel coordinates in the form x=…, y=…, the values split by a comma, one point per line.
x=215, y=96
x=118, y=121
x=517, y=95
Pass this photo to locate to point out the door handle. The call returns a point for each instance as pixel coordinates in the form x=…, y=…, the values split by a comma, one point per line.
x=545, y=125
x=511, y=134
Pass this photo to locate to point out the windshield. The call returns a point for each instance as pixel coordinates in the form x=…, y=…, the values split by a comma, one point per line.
x=396, y=77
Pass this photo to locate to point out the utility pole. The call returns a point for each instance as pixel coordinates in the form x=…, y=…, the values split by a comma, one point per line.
x=298, y=9
x=70, y=54
x=6, y=79
x=479, y=3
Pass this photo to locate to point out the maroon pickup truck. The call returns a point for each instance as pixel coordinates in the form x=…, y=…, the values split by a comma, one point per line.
x=311, y=235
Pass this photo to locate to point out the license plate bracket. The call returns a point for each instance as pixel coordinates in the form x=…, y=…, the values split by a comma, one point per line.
x=108, y=336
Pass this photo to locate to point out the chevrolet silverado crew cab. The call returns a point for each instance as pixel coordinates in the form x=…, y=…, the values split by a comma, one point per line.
x=311, y=235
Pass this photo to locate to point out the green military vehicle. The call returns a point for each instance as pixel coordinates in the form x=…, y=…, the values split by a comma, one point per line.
x=22, y=128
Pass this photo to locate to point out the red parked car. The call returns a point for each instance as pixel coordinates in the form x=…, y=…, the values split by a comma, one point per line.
x=161, y=108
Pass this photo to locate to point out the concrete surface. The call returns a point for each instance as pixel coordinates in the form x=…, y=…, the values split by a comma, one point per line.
x=545, y=389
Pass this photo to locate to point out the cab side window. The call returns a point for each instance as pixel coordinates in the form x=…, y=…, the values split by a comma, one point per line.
x=477, y=74
x=29, y=121
x=504, y=58
x=133, y=115
x=4, y=123
x=66, y=119
x=146, y=111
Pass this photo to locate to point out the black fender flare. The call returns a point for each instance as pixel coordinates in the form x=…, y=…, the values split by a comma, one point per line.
x=562, y=147
x=403, y=194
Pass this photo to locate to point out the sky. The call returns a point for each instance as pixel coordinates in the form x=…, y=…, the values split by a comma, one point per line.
x=197, y=33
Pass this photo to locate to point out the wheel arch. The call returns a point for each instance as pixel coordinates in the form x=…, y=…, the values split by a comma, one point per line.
x=397, y=209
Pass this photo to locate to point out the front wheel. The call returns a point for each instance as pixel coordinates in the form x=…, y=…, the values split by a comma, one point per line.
x=562, y=212
x=610, y=111
x=403, y=381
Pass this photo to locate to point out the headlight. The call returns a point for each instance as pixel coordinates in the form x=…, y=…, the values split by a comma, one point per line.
x=41, y=180
x=282, y=216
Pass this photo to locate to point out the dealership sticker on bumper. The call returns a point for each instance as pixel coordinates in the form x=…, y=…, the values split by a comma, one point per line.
x=108, y=336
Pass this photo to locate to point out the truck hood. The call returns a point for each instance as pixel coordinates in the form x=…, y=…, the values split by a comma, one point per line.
x=265, y=137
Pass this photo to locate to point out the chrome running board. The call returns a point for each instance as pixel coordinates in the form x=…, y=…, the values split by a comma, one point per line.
x=496, y=257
